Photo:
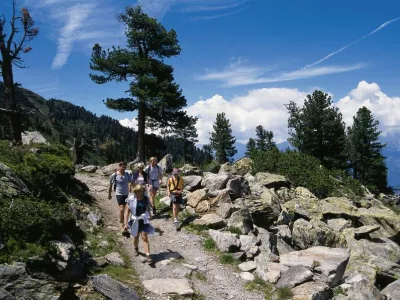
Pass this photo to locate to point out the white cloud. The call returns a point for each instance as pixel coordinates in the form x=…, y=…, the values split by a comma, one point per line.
x=384, y=108
x=241, y=73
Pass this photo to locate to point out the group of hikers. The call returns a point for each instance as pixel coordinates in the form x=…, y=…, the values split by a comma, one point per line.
x=136, y=194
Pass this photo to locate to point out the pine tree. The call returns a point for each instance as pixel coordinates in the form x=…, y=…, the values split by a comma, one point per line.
x=188, y=136
x=155, y=96
x=365, y=151
x=264, y=139
x=317, y=129
x=250, y=147
x=221, y=139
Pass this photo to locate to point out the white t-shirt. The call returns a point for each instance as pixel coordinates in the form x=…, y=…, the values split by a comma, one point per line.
x=153, y=173
x=140, y=180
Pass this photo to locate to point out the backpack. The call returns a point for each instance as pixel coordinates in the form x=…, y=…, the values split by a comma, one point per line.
x=175, y=185
x=149, y=168
x=113, y=180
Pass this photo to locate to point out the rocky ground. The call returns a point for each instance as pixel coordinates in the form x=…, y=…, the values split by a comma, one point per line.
x=179, y=257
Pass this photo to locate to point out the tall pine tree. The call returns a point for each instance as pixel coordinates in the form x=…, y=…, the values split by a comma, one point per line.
x=264, y=139
x=153, y=93
x=251, y=147
x=317, y=129
x=367, y=163
x=221, y=139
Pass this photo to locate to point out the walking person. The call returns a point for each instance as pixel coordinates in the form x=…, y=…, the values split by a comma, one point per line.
x=154, y=172
x=137, y=219
x=175, y=186
x=119, y=181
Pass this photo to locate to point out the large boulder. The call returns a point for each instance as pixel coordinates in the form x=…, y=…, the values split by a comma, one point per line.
x=392, y=291
x=215, y=182
x=225, y=168
x=225, y=241
x=238, y=187
x=167, y=286
x=294, y=276
x=311, y=291
x=89, y=169
x=33, y=137
x=196, y=197
x=241, y=220
x=211, y=221
x=192, y=182
x=264, y=211
x=269, y=180
x=10, y=184
x=166, y=163
x=108, y=170
x=112, y=289
x=189, y=170
x=243, y=166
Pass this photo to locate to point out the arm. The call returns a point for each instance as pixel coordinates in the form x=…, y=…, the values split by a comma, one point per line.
x=126, y=217
x=110, y=188
x=168, y=191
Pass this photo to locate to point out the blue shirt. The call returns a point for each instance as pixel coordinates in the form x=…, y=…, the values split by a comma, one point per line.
x=122, y=183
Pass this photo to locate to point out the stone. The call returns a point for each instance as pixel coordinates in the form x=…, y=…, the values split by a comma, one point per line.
x=166, y=163
x=10, y=184
x=100, y=262
x=265, y=211
x=363, y=290
x=274, y=271
x=247, y=242
x=203, y=207
x=166, y=200
x=294, y=276
x=94, y=218
x=4, y=295
x=103, y=244
x=222, y=196
x=247, y=276
x=225, y=169
x=189, y=170
x=215, y=182
x=247, y=266
x=225, y=242
x=33, y=137
x=182, y=272
x=115, y=259
x=392, y=290
x=161, y=286
x=253, y=250
x=225, y=210
x=283, y=232
x=191, y=267
x=364, y=231
x=311, y=291
x=338, y=224
x=89, y=169
x=242, y=166
x=269, y=180
x=196, y=197
x=242, y=220
x=192, y=182
x=330, y=263
x=302, y=192
x=285, y=194
x=239, y=255
x=238, y=187
x=108, y=170
x=63, y=250
x=210, y=220
x=113, y=289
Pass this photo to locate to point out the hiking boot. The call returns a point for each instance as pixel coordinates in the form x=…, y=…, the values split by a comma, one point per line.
x=177, y=223
x=154, y=210
x=149, y=260
x=136, y=252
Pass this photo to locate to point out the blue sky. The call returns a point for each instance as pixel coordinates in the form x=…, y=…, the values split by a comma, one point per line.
x=246, y=57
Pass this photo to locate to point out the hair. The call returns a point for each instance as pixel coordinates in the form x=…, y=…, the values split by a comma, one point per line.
x=153, y=158
x=140, y=165
x=138, y=187
x=122, y=163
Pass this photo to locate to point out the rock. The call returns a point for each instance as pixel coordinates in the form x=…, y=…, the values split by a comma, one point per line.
x=64, y=249
x=338, y=224
x=243, y=166
x=103, y=244
x=113, y=289
x=301, y=192
x=238, y=187
x=242, y=220
x=311, y=291
x=166, y=200
x=182, y=272
x=166, y=163
x=281, y=247
x=89, y=169
x=4, y=295
x=10, y=184
x=239, y=255
x=285, y=194
x=269, y=180
x=363, y=290
x=203, y=207
x=294, y=276
x=94, y=218
x=191, y=267
x=108, y=170
x=33, y=137
x=253, y=250
x=225, y=169
x=274, y=271
x=364, y=231
x=264, y=237
x=225, y=210
x=194, y=198
x=392, y=291
x=283, y=232
x=192, y=183
x=210, y=220
x=215, y=182
x=330, y=263
x=189, y=170
x=100, y=262
x=115, y=259
x=247, y=266
x=265, y=211
x=247, y=276
x=163, y=286
x=225, y=242
x=247, y=242
x=222, y=196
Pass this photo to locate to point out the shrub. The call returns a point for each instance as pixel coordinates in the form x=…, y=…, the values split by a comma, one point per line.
x=212, y=167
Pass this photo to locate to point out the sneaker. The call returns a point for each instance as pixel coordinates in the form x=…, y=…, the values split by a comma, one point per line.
x=149, y=260
x=177, y=223
x=136, y=252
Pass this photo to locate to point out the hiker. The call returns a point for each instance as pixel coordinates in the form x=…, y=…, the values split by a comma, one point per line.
x=120, y=181
x=154, y=173
x=175, y=186
x=137, y=219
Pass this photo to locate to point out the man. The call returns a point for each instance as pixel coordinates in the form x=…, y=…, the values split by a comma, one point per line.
x=174, y=190
x=154, y=176
x=120, y=181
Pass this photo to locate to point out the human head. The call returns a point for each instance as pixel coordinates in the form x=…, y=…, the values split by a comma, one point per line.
x=137, y=189
x=175, y=172
x=122, y=165
x=140, y=166
x=153, y=160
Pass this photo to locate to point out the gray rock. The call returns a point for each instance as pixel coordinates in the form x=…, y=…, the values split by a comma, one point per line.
x=64, y=250
x=10, y=184
x=338, y=224
x=242, y=166
x=285, y=194
x=113, y=289
x=225, y=169
x=364, y=290
x=89, y=169
x=94, y=218
x=189, y=170
x=247, y=276
x=294, y=276
x=238, y=187
x=242, y=220
x=103, y=244
x=247, y=242
x=311, y=291
x=392, y=291
x=115, y=259
x=33, y=137
x=210, y=220
x=364, y=231
x=247, y=266
x=196, y=197
x=163, y=286
x=192, y=182
x=166, y=163
x=269, y=180
x=216, y=182
x=4, y=295
x=225, y=210
x=225, y=242
x=182, y=272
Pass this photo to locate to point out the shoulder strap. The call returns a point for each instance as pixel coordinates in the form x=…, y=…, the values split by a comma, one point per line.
x=177, y=183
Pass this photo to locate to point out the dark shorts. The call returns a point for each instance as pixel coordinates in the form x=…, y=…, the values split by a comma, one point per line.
x=176, y=199
x=121, y=199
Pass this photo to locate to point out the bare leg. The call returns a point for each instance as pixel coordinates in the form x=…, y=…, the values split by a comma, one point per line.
x=175, y=210
x=152, y=197
x=121, y=216
x=146, y=244
x=136, y=245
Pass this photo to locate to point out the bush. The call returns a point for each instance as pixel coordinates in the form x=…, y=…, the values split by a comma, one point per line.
x=212, y=167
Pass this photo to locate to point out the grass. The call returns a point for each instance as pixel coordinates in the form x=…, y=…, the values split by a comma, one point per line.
x=195, y=296
x=227, y=259
x=199, y=276
x=338, y=291
x=209, y=244
x=235, y=230
x=284, y=293
x=197, y=229
x=260, y=285
x=159, y=205
x=21, y=253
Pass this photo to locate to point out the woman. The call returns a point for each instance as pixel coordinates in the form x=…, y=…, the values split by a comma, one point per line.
x=137, y=219
x=120, y=181
x=140, y=176
x=154, y=172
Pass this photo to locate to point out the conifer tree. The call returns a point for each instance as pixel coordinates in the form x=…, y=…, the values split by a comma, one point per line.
x=188, y=135
x=367, y=163
x=264, y=139
x=221, y=139
x=317, y=129
x=250, y=147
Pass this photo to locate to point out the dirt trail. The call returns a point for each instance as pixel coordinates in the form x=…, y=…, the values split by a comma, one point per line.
x=219, y=281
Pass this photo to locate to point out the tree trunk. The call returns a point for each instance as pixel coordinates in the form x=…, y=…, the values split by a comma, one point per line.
x=10, y=101
x=141, y=131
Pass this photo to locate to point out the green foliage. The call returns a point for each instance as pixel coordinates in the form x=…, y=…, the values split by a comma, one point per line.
x=317, y=129
x=14, y=250
x=338, y=291
x=306, y=171
x=264, y=141
x=250, y=147
x=365, y=152
x=212, y=167
x=209, y=244
x=227, y=259
x=260, y=285
x=284, y=293
x=235, y=230
x=222, y=140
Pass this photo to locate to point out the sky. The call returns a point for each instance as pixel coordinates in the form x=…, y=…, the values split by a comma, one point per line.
x=246, y=58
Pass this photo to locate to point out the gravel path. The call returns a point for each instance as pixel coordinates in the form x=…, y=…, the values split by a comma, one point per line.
x=218, y=281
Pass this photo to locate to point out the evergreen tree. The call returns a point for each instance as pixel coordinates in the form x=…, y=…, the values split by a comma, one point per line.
x=221, y=139
x=250, y=147
x=188, y=136
x=155, y=96
x=365, y=151
x=317, y=129
x=264, y=141
x=11, y=49
x=208, y=153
